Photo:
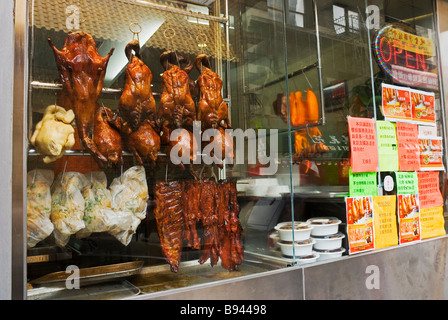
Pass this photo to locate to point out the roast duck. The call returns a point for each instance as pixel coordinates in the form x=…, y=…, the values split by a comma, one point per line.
x=212, y=109
x=181, y=206
x=81, y=70
x=177, y=108
x=137, y=108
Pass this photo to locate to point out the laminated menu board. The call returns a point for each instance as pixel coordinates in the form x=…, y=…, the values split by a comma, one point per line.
x=363, y=145
x=408, y=207
x=387, y=146
x=396, y=104
x=360, y=227
x=408, y=147
x=423, y=107
x=385, y=221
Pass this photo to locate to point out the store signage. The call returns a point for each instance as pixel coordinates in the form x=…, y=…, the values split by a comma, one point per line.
x=363, y=184
x=404, y=56
x=408, y=207
x=408, y=149
x=387, y=146
x=363, y=145
x=385, y=221
x=401, y=104
x=360, y=227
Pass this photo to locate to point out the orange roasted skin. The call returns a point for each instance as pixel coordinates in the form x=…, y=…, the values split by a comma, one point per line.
x=170, y=220
x=212, y=109
x=107, y=137
x=176, y=108
x=312, y=107
x=81, y=71
x=137, y=102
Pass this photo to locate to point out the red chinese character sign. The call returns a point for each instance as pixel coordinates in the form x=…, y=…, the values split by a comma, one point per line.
x=363, y=143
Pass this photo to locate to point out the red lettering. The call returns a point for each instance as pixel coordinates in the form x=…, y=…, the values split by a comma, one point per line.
x=409, y=55
x=420, y=59
x=397, y=45
x=382, y=51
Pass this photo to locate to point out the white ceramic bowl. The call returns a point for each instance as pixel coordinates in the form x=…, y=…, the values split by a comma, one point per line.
x=330, y=254
x=302, y=231
x=310, y=258
x=301, y=248
x=324, y=226
x=328, y=242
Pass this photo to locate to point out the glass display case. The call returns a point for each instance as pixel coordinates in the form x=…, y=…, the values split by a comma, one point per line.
x=177, y=143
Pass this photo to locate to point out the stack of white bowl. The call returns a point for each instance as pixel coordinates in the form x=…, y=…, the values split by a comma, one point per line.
x=298, y=244
x=327, y=240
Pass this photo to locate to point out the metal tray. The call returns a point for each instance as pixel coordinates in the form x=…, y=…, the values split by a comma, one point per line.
x=112, y=290
x=158, y=278
x=91, y=275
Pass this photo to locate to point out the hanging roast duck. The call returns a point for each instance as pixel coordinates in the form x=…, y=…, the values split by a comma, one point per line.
x=137, y=108
x=81, y=70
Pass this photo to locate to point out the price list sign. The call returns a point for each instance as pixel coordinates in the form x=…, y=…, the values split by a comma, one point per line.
x=363, y=144
x=408, y=147
x=387, y=146
x=408, y=207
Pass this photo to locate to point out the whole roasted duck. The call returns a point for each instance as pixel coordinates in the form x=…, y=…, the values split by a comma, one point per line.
x=212, y=109
x=183, y=141
x=106, y=136
x=81, y=71
x=170, y=220
x=176, y=108
x=137, y=108
x=137, y=102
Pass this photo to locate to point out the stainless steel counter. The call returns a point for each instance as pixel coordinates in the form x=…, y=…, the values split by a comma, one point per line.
x=413, y=271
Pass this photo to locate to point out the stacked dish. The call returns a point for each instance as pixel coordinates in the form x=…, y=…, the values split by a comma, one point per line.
x=295, y=240
x=327, y=239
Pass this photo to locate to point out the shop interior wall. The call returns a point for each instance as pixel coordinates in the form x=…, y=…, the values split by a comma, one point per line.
x=6, y=92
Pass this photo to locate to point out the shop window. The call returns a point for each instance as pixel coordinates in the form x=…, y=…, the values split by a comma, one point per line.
x=345, y=20
x=295, y=11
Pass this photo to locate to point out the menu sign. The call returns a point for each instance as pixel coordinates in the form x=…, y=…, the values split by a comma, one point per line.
x=431, y=154
x=363, y=144
x=396, y=103
x=387, y=146
x=360, y=228
x=431, y=205
x=401, y=104
x=408, y=147
x=432, y=222
x=429, y=190
x=408, y=207
x=363, y=184
x=385, y=221
x=423, y=107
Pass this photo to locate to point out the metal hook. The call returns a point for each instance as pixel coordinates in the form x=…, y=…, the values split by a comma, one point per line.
x=135, y=33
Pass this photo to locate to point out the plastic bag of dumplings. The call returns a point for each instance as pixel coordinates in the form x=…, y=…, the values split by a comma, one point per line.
x=38, y=209
x=129, y=201
x=67, y=205
x=98, y=213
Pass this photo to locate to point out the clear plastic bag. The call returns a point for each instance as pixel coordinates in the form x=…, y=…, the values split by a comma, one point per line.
x=38, y=210
x=67, y=205
x=129, y=202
